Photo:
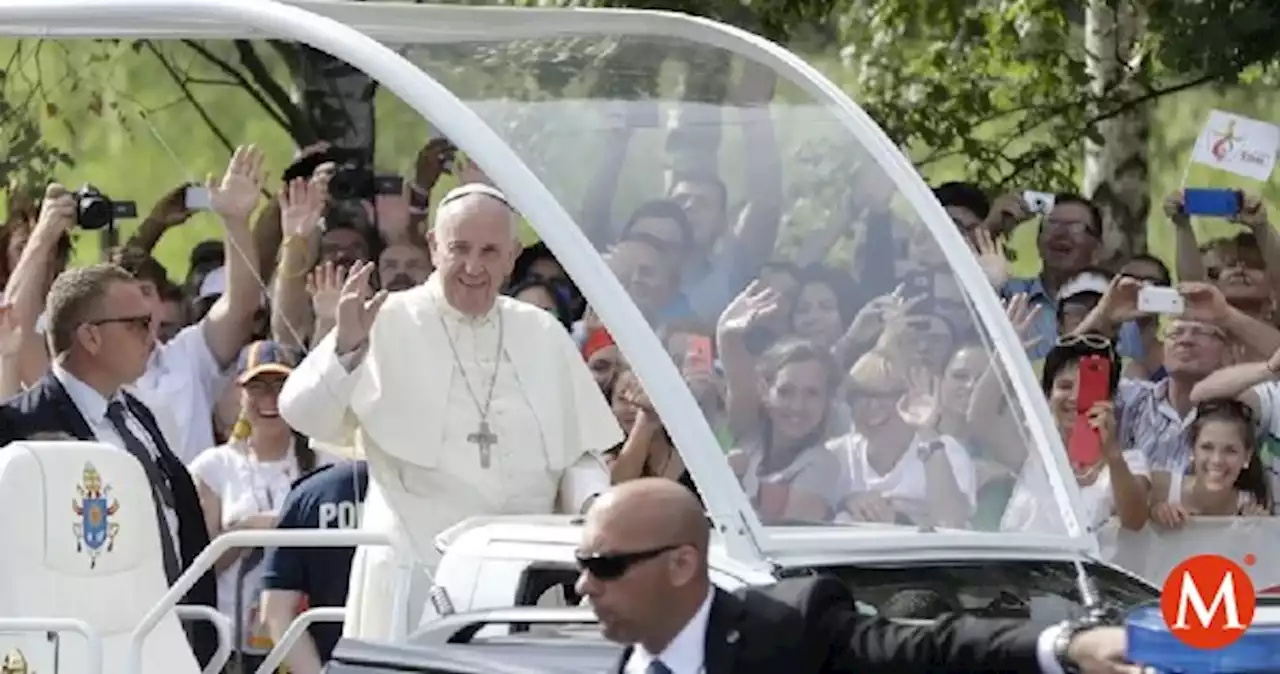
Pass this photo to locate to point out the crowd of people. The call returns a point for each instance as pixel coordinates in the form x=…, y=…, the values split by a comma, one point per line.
x=847, y=386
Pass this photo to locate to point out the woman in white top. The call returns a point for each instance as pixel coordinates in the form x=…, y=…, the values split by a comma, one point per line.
x=242, y=483
x=895, y=466
x=1225, y=477
x=1115, y=484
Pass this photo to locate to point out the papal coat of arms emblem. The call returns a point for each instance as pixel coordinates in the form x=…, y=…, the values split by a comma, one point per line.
x=15, y=663
x=95, y=532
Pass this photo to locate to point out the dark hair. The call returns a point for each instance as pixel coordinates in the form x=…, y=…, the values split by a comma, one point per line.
x=1095, y=215
x=561, y=310
x=23, y=214
x=170, y=292
x=1166, y=278
x=839, y=282
x=529, y=255
x=662, y=209
x=703, y=178
x=1070, y=350
x=74, y=295
x=963, y=195
x=141, y=264
x=1251, y=480
x=649, y=240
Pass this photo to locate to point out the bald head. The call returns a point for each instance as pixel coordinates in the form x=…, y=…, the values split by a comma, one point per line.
x=653, y=507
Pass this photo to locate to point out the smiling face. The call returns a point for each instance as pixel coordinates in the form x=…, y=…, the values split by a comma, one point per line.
x=474, y=246
x=816, y=315
x=259, y=400
x=1220, y=453
x=797, y=399
x=1068, y=241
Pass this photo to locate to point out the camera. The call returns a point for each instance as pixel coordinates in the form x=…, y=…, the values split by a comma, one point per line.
x=95, y=210
x=355, y=182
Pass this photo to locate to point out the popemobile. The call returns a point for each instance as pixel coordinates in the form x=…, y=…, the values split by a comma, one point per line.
x=82, y=589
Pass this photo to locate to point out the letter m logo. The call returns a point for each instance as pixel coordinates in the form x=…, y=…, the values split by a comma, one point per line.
x=1225, y=598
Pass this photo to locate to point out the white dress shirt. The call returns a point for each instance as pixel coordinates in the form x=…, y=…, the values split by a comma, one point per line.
x=686, y=654
x=93, y=407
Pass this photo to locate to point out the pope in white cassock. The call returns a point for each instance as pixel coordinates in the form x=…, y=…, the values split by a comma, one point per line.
x=463, y=402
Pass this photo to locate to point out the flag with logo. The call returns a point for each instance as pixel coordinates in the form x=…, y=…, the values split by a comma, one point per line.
x=1243, y=146
x=1252, y=542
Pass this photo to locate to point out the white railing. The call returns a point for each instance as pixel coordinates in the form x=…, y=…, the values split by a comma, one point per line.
x=221, y=625
x=331, y=614
x=277, y=538
x=1251, y=542
x=92, y=641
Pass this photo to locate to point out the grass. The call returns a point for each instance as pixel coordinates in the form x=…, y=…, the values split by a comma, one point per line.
x=159, y=141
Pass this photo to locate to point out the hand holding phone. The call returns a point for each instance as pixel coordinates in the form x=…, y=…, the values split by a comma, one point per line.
x=1212, y=202
x=1038, y=202
x=1084, y=445
x=196, y=198
x=1161, y=300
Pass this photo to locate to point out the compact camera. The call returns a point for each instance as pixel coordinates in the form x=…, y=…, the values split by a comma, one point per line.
x=95, y=210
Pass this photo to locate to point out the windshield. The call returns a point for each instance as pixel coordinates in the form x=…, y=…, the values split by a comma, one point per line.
x=818, y=321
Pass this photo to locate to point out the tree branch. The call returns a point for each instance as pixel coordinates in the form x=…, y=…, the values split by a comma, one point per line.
x=189, y=96
x=299, y=126
x=240, y=79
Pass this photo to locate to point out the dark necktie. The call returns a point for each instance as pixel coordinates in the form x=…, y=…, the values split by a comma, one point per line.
x=161, y=494
x=657, y=667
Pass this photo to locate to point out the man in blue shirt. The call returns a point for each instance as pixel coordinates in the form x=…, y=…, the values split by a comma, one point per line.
x=297, y=578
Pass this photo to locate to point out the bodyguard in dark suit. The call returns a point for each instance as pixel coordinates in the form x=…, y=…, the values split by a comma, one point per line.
x=100, y=328
x=644, y=570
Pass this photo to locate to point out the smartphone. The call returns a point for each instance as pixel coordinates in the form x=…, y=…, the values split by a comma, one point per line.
x=1161, y=300
x=1212, y=202
x=1038, y=202
x=698, y=358
x=388, y=185
x=918, y=283
x=196, y=198
x=1084, y=447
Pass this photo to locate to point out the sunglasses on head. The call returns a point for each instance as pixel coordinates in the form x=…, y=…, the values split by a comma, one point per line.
x=1229, y=405
x=614, y=566
x=1091, y=340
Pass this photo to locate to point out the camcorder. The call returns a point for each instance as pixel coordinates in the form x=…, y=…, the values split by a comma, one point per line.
x=95, y=210
x=353, y=179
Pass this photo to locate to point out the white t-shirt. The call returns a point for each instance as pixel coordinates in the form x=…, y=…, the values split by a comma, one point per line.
x=905, y=484
x=1269, y=433
x=245, y=487
x=184, y=376
x=1031, y=500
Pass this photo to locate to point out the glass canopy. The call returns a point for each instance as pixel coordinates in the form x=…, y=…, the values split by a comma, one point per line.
x=798, y=313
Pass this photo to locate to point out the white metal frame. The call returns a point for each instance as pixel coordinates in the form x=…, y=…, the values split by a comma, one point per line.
x=327, y=614
x=93, y=641
x=221, y=625
x=743, y=534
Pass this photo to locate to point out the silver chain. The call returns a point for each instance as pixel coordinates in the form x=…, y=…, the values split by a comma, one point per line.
x=483, y=410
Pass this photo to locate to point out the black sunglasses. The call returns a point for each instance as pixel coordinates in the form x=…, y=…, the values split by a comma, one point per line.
x=614, y=566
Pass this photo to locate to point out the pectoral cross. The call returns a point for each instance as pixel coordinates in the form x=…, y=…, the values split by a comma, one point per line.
x=484, y=439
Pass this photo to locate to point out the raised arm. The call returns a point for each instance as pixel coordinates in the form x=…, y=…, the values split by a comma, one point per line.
x=757, y=228
x=1253, y=215
x=301, y=205
x=742, y=397
x=229, y=322
x=1187, y=257
x=170, y=211
x=29, y=281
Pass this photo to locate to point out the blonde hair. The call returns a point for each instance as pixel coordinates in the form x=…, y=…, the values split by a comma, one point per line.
x=875, y=371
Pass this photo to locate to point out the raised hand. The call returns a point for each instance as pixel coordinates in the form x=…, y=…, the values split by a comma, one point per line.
x=756, y=302
x=1204, y=302
x=10, y=337
x=1023, y=315
x=57, y=211
x=1120, y=303
x=877, y=314
x=433, y=159
x=921, y=407
x=325, y=284
x=1175, y=210
x=236, y=195
x=1102, y=418
x=357, y=308
x=995, y=266
x=1253, y=213
x=171, y=210
x=301, y=206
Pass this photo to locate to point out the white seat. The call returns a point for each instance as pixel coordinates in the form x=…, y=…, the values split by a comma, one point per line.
x=81, y=541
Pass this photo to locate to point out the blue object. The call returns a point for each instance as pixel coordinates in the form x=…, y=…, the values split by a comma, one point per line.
x=1211, y=202
x=1154, y=646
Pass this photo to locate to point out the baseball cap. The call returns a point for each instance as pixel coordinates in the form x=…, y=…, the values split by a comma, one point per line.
x=265, y=357
x=1084, y=282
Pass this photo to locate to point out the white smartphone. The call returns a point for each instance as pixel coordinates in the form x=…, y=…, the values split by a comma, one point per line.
x=1160, y=300
x=1038, y=202
x=196, y=198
